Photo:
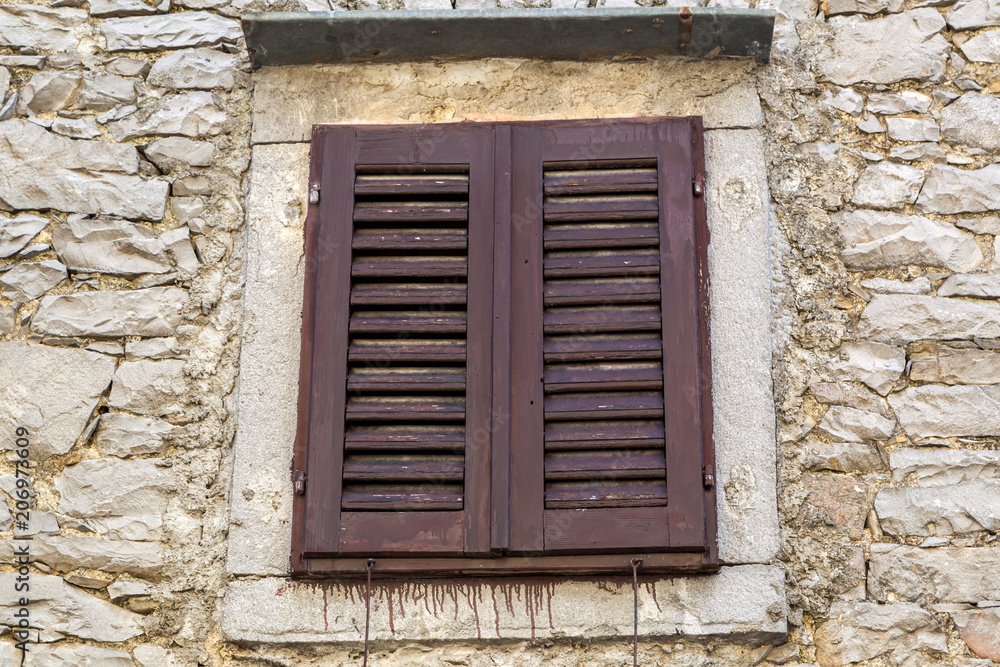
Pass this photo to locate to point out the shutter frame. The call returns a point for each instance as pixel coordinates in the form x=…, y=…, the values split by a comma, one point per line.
x=323, y=527
x=685, y=523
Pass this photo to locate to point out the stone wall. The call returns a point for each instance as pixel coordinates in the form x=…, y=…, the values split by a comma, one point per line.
x=125, y=135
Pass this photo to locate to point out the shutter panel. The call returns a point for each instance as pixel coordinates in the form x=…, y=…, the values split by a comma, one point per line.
x=607, y=398
x=400, y=396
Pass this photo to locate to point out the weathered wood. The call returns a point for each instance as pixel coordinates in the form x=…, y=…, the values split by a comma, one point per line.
x=596, y=530
x=601, y=348
x=611, y=494
x=599, y=181
x=299, y=38
x=439, y=437
x=425, y=241
x=386, y=469
x=601, y=235
x=602, y=406
x=411, y=212
x=603, y=377
x=629, y=207
x=385, y=533
x=407, y=184
x=601, y=319
x=408, y=294
x=400, y=499
x=409, y=266
x=414, y=350
x=365, y=321
x=405, y=379
x=406, y=408
x=603, y=435
x=602, y=465
x=601, y=263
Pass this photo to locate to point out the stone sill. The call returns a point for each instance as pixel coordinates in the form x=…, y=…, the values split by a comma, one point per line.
x=743, y=604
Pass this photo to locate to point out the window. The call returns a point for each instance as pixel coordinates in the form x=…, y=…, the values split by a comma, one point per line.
x=505, y=359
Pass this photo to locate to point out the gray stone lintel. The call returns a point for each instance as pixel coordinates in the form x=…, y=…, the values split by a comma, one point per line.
x=297, y=38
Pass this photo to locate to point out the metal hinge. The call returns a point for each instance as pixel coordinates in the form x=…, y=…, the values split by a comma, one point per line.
x=300, y=483
x=708, y=473
x=699, y=185
x=314, y=193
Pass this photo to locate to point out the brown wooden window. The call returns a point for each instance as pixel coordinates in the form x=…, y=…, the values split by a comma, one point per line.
x=505, y=353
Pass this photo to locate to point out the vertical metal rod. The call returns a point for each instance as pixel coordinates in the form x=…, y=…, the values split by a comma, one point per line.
x=636, y=562
x=368, y=607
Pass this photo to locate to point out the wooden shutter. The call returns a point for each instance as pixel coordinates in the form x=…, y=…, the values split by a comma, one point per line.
x=608, y=350
x=397, y=350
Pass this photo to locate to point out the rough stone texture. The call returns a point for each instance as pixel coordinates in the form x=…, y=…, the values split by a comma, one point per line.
x=65, y=554
x=105, y=245
x=190, y=114
x=40, y=170
x=170, y=31
x=114, y=488
x=119, y=8
x=58, y=607
x=875, y=364
x=953, y=190
x=846, y=100
x=972, y=120
x=947, y=574
x=887, y=185
x=835, y=500
x=851, y=395
x=49, y=91
x=103, y=92
x=155, y=311
x=126, y=435
x=917, y=286
x=940, y=510
x=980, y=629
x=852, y=425
x=170, y=152
x=75, y=655
x=79, y=128
x=926, y=151
x=26, y=282
x=905, y=101
x=864, y=6
x=51, y=392
x=178, y=243
x=286, y=103
x=980, y=285
x=913, y=129
x=148, y=387
x=739, y=602
x=974, y=14
x=39, y=27
x=988, y=224
x=898, y=318
x=16, y=233
x=940, y=467
x=950, y=366
x=6, y=320
x=860, y=631
x=933, y=410
x=904, y=46
x=875, y=240
x=843, y=457
x=983, y=48
x=194, y=68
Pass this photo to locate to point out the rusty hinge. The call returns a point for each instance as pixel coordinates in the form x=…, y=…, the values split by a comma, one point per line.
x=708, y=473
x=699, y=185
x=300, y=483
x=314, y=193
x=685, y=23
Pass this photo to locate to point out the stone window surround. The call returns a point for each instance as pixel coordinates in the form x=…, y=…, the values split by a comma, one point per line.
x=745, y=600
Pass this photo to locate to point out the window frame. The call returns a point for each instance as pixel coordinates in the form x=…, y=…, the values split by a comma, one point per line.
x=688, y=560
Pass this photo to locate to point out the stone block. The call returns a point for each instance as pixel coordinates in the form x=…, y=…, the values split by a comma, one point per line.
x=75, y=655
x=980, y=629
x=97, y=488
x=935, y=363
x=860, y=631
x=50, y=391
x=126, y=435
x=899, y=47
x=900, y=318
x=41, y=27
x=838, y=501
x=978, y=285
x=67, y=553
x=945, y=411
x=149, y=387
x=170, y=31
x=155, y=311
x=16, y=233
x=107, y=245
x=919, y=285
x=40, y=170
x=119, y=8
x=879, y=239
x=941, y=467
x=913, y=129
x=851, y=395
x=30, y=280
x=972, y=14
x=169, y=152
x=58, y=607
x=946, y=574
x=190, y=114
x=905, y=101
x=940, y=510
x=874, y=364
x=887, y=185
x=973, y=120
x=194, y=68
x=843, y=457
x=852, y=425
x=952, y=190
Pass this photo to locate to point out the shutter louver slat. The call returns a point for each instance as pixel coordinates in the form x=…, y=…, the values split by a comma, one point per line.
x=406, y=404
x=602, y=278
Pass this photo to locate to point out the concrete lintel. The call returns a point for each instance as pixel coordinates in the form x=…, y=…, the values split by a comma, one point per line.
x=297, y=38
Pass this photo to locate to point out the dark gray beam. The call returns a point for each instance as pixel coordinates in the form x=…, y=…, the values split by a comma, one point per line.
x=299, y=38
